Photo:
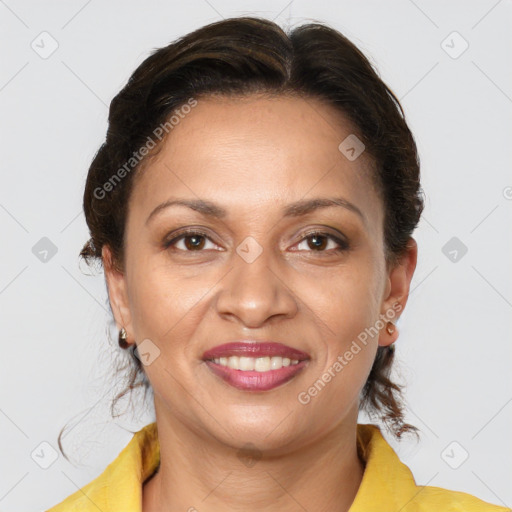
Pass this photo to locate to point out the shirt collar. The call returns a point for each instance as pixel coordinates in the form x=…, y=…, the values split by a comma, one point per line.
x=126, y=475
x=387, y=484
x=384, y=476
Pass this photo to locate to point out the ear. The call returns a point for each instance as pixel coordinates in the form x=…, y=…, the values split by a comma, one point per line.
x=117, y=292
x=397, y=291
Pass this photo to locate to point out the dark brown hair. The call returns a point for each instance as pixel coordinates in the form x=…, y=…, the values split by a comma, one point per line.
x=249, y=55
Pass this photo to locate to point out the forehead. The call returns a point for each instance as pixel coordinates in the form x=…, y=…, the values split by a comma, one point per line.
x=258, y=152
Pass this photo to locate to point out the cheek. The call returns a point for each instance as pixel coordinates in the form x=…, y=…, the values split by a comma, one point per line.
x=168, y=304
x=337, y=389
x=157, y=298
x=346, y=298
x=345, y=308
x=348, y=346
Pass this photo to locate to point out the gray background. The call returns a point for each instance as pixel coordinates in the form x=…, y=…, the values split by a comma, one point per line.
x=454, y=347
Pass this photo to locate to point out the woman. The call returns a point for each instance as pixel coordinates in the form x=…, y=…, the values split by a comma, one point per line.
x=253, y=206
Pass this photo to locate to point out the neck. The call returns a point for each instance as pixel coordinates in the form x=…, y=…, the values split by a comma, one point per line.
x=198, y=474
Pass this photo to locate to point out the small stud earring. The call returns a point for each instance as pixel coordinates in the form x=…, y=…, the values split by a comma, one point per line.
x=122, y=338
x=390, y=327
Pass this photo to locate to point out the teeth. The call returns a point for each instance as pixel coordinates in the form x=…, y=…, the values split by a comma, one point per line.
x=259, y=364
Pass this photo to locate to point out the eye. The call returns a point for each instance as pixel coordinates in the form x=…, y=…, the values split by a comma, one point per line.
x=193, y=240
x=319, y=241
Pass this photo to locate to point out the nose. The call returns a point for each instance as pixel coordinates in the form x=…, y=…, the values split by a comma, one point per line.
x=254, y=293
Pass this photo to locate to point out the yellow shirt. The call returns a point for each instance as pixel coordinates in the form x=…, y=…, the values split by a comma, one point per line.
x=387, y=485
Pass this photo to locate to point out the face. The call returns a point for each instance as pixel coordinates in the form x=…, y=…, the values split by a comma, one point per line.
x=253, y=268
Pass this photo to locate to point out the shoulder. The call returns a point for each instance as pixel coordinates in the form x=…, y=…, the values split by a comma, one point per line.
x=388, y=484
x=440, y=499
x=119, y=487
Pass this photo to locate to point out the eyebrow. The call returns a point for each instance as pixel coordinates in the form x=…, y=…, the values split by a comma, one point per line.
x=296, y=209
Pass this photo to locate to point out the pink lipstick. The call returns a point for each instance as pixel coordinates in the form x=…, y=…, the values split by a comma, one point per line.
x=255, y=366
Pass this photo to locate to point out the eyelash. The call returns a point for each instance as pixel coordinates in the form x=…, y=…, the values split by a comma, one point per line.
x=343, y=245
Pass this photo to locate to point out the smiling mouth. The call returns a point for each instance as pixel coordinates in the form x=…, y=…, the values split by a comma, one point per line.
x=255, y=365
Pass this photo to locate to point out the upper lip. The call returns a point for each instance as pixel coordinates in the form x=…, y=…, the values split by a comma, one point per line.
x=250, y=348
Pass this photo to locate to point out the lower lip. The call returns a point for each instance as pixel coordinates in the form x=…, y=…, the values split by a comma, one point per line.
x=253, y=380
